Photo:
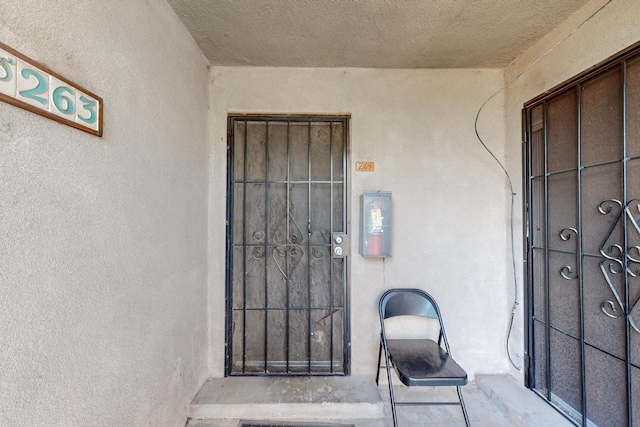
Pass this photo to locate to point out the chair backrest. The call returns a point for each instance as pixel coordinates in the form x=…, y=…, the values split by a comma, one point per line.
x=403, y=302
x=410, y=302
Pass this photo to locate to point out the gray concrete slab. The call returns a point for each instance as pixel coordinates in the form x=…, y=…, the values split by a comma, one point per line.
x=258, y=390
x=288, y=398
x=236, y=423
x=494, y=401
x=519, y=404
x=482, y=412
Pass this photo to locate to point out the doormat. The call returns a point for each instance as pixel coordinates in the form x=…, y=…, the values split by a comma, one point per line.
x=271, y=424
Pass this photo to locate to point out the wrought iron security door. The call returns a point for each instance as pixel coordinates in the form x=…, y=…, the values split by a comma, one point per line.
x=583, y=244
x=287, y=296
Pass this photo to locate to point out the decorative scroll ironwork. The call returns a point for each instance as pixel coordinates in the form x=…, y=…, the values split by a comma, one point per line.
x=287, y=242
x=318, y=236
x=258, y=253
x=567, y=272
x=317, y=254
x=618, y=260
x=566, y=233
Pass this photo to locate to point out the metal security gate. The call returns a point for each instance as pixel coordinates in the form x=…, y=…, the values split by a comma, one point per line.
x=287, y=296
x=582, y=167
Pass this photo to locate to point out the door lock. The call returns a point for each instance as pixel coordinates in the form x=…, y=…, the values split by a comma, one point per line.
x=340, y=245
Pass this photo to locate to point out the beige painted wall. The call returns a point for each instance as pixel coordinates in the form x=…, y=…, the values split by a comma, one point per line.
x=448, y=195
x=103, y=241
x=614, y=28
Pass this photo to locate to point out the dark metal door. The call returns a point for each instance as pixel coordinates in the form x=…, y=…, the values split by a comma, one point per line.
x=287, y=296
x=583, y=244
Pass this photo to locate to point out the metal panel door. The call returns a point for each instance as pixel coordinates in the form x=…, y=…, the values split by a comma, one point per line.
x=287, y=296
x=583, y=185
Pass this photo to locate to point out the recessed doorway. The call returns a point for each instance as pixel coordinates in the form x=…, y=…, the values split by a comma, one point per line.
x=287, y=296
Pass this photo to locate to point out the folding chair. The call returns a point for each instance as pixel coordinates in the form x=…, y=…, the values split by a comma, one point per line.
x=417, y=362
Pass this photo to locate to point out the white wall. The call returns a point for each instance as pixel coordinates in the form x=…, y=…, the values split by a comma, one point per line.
x=614, y=28
x=449, y=196
x=103, y=241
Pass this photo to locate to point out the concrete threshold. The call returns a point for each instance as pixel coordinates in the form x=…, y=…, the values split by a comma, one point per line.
x=288, y=399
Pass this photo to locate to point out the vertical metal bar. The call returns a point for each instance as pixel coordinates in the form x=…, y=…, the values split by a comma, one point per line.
x=309, y=247
x=244, y=251
x=579, y=256
x=266, y=233
x=288, y=281
x=346, y=318
x=331, y=229
x=625, y=197
x=528, y=251
x=546, y=248
x=229, y=262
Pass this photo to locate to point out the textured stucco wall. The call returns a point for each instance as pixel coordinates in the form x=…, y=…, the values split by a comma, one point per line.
x=103, y=241
x=449, y=197
x=614, y=28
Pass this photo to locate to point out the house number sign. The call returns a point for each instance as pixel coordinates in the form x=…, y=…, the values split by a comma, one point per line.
x=29, y=85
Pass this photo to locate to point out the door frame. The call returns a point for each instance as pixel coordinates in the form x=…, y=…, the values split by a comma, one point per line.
x=338, y=117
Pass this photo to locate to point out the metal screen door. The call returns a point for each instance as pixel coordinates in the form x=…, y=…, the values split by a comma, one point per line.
x=583, y=244
x=287, y=297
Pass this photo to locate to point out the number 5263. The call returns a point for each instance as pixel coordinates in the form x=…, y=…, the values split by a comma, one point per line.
x=23, y=81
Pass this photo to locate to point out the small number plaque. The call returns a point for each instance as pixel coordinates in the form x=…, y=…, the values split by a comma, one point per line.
x=27, y=84
x=365, y=166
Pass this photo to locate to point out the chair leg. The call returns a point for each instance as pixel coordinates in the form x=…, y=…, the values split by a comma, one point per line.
x=464, y=408
x=379, y=360
x=393, y=400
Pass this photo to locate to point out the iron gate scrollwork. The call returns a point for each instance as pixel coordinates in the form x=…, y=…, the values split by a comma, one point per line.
x=618, y=259
x=582, y=243
x=287, y=297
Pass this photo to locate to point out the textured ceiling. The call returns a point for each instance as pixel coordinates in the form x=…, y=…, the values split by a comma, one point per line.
x=369, y=33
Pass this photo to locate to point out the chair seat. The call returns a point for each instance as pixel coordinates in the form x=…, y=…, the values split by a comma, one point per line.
x=422, y=362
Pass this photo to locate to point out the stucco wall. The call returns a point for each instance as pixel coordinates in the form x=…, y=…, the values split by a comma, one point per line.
x=449, y=197
x=614, y=28
x=103, y=241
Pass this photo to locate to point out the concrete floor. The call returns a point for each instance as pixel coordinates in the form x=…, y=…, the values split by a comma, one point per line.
x=492, y=401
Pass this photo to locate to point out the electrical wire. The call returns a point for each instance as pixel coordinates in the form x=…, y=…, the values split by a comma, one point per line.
x=513, y=194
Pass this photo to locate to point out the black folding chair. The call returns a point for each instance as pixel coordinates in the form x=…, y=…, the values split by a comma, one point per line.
x=422, y=361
